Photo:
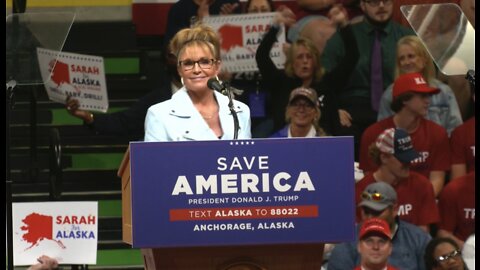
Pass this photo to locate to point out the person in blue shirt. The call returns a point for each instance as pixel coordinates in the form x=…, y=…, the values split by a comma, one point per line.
x=379, y=200
x=302, y=115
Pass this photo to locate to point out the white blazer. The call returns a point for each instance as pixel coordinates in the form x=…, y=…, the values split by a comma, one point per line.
x=177, y=119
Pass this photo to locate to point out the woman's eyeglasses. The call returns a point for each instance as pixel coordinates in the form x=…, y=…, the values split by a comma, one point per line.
x=444, y=258
x=203, y=63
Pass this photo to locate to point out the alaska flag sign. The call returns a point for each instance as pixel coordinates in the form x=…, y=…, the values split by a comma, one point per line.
x=242, y=192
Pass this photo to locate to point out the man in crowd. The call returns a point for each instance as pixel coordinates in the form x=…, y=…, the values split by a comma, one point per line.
x=408, y=241
x=374, y=245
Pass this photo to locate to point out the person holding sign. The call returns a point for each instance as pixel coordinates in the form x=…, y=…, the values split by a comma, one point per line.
x=128, y=123
x=302, y=68
x=45, y=263
x=195, y=112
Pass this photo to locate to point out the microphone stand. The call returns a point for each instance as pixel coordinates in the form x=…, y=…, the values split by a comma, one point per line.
x=236, y=125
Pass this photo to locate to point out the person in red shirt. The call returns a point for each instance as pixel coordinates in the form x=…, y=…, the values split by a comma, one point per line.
x=462, y=145
x=374, y=245
x=393, y=153
x=411, y=99
x=457, y=209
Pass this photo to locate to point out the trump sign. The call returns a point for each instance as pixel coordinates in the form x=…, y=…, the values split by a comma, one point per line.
x=262, y=191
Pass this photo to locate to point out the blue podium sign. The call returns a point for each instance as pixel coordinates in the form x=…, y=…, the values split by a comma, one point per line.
x=243, y=192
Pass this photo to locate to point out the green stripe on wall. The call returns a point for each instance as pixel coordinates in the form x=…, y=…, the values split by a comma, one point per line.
x=107, y=161
x=110, y=208
x=122, y=65
x=119, y=257
x=62, y=117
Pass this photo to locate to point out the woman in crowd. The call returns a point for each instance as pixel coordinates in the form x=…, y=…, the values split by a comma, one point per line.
x=302, y=116
x=413, y=57
x=196, y=112
x=303, y=69
x=443, y=254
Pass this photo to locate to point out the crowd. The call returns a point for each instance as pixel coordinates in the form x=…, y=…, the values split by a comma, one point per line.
x=351, y=69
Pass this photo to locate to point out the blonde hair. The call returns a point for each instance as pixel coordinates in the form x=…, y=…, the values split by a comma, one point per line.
x=310, y=46
x=315, y=122
x=199, y=35
x=428, y=71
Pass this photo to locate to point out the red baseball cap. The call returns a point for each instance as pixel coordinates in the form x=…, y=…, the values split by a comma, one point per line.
x=375, y=226
x=412, y=82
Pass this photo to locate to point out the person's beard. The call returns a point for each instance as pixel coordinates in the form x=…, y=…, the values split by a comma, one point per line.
x=377, y=24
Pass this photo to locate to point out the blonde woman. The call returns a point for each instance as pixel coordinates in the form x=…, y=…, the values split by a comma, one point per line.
x=196, y=112
x=413, y=57
x=302, y=115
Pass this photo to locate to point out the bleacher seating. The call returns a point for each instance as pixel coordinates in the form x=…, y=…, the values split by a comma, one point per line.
x=88, y=162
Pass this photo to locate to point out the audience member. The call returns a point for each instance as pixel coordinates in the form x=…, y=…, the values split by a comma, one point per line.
x=322, y=7
x=393, y=153
x=374, y=245
x=302, y=68
x=408, y=240
x=259, y=6
x=302, y=116
x=45, y=263
x=314, y=27
x=185, y=13
x=250, y=82
x=468, y=252
x=411, y=99
x=195, y=112
x=457, y=209
x=443, y=254
x=462, y=145
x=129, y=123
x=413, y=57
x=376, y=37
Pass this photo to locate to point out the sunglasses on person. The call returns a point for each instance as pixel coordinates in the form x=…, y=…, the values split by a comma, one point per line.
x=375, y=197
x=444, y=258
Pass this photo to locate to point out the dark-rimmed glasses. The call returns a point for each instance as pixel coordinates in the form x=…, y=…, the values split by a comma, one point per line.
x=444, y=258
x=376, y=3
x=203, y=63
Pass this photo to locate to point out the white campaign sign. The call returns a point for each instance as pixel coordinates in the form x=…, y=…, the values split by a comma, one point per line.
x=66, y=231
x=80, y=76
x=240, y=37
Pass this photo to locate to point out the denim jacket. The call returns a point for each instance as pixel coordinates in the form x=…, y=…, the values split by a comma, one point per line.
x=443, y=108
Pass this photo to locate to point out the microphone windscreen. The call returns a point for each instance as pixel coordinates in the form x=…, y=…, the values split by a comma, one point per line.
x=214, y=84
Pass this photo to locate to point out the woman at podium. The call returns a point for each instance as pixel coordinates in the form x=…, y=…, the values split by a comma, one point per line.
x=196, y=112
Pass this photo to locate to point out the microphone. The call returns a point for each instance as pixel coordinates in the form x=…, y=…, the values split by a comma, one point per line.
x=216, y=85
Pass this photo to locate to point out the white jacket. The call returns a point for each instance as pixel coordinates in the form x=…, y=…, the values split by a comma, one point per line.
x=177, y=119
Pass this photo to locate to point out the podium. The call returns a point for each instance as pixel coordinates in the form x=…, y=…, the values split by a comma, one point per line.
x=236, y=249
